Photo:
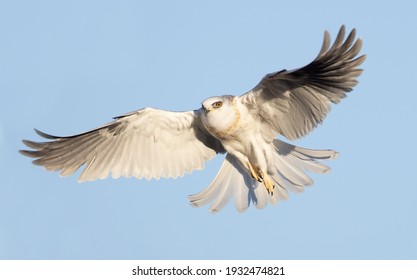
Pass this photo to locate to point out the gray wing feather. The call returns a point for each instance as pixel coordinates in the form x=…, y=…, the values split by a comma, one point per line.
x=292, y=103
x=148, y=143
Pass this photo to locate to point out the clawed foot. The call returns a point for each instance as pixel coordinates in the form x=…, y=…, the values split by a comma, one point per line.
x=262, y=178
x=268, y=182
x=255, y=175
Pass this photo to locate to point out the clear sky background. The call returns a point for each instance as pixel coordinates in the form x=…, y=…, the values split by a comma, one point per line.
x=69, y=66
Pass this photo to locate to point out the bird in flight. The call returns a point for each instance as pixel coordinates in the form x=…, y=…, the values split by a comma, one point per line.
x=258, y=168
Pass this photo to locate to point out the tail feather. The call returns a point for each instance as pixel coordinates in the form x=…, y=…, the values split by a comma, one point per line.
x=303, y=153
x=231, y=180
x=262, y=196
x=289, y=164
x=312, y=166
x=281, y=180
x=206, y=195
x=223, y=194
x=290, y=171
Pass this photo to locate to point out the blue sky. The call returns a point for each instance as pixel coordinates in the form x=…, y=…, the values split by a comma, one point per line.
x=69, y=66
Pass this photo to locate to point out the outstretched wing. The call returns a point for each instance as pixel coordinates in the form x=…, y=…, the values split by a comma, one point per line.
x=292, y=103
x=148, y=143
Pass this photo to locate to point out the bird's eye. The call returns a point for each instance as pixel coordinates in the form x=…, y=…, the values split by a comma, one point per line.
x=217, y=104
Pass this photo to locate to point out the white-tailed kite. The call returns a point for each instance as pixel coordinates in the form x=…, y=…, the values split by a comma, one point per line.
x=151, y=143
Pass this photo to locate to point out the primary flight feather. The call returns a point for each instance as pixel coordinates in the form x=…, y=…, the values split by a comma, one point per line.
x=258, y=168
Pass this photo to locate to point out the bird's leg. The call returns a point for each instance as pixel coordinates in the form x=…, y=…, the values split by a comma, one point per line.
x=268, y=182
x=254, y=174
x=262, y=177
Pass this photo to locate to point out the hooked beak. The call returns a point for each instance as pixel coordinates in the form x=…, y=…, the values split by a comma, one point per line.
x=206, y=110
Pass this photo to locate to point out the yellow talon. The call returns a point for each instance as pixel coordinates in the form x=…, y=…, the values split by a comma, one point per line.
x=268, y=182
x=262, y=177
x=253, y=173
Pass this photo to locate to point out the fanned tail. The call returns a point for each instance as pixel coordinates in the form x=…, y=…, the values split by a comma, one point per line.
x=289, y=164
x=231, y=180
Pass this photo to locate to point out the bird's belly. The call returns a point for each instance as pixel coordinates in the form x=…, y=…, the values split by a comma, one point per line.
x=248, y=144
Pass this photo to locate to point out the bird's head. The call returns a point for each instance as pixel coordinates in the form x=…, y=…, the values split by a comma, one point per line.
x=216, y=103
x=218, y=114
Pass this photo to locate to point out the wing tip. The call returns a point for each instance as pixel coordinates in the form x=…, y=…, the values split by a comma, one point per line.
x=28, y=153
x=335, y=155
x=45, y=135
